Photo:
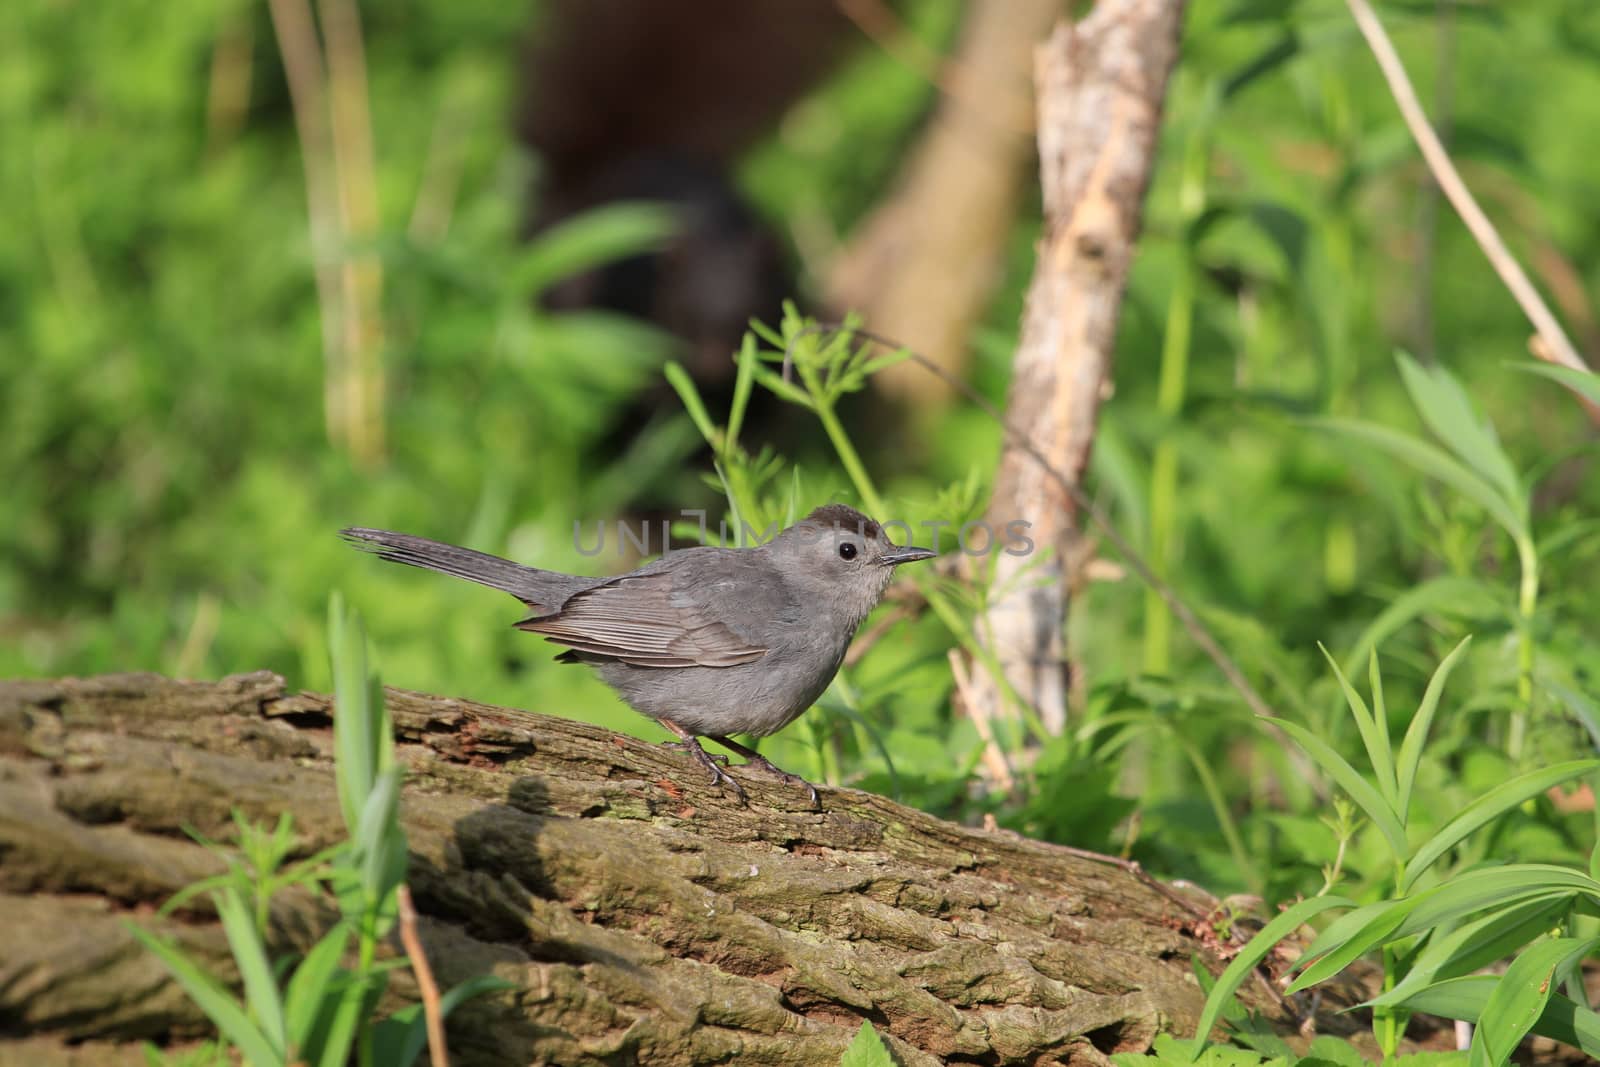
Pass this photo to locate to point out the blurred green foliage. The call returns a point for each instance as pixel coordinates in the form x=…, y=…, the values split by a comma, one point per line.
x=171, y=495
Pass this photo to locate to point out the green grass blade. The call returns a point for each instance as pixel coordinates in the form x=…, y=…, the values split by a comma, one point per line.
x=379, y=837
x=1450, y=414
x=1421, y=723
x=344, y=1020
x=1489, y=807
x=1379, y=928
x=1341, y=930
x=1458, y=597
x=1360, y=790
x=743, y=383
x=1466, y=997
x=1281, y=926
x=260, y=986
x=1374, y=734
x=1438, y=464
x=1476, y=944
x=1472, y=891
x=1521, y=995
x=311, y=989
x=1585, y=383
x=353, y=751
x=587, y=240
x=400, y=1038
x=1380, y=718
x=230, y=1019
x=689, y=396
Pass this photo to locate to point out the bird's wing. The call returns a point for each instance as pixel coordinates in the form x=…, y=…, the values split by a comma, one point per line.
x=690, y=615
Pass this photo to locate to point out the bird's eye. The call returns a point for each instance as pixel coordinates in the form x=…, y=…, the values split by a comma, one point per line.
x=847, y=550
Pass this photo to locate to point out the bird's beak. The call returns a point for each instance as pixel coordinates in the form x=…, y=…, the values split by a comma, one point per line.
x=896, y=556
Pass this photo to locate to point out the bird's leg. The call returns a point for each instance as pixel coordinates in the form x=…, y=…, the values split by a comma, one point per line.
x=683, y=746
x=761, y=763
x=689, y=744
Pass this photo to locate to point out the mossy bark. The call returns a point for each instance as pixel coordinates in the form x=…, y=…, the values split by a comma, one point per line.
x=643, y=916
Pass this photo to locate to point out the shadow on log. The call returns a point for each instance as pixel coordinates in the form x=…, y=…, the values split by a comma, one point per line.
x=644, y=917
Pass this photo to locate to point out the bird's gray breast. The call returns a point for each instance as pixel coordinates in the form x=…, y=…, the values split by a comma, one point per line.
x=745, y=592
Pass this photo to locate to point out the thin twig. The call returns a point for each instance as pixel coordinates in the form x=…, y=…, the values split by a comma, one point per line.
x=1553, y=345
x=437, y=1052
x=994, y=757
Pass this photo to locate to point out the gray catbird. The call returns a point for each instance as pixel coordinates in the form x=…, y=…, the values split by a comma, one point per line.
x=706, y=641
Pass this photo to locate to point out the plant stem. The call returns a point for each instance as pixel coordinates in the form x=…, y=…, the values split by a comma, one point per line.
x=1170, y=392
x=1527, y=603
x=1219, y=805
x=1389, y=1024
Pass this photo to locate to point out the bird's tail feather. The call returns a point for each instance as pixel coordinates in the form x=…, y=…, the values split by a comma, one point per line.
x=532, y=586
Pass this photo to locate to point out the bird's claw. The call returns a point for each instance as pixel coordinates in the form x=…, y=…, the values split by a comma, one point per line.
x=719, y=777
x=766, y=766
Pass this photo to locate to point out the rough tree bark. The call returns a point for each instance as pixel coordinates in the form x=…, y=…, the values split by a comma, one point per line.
x=643, y=917
x=1101, y=83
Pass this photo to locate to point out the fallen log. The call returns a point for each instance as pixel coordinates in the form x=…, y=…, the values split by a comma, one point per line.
x=642, y=916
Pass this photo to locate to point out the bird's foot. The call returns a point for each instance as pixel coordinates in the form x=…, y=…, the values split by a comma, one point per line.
x=766, y=766
x=684, y=746
x=719, y=777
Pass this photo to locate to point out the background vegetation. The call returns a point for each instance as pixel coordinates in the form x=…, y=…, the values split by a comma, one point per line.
x=172, y=495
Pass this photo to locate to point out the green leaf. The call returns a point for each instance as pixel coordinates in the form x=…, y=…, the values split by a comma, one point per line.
x=1475, y=944
x=1421, y=722
x=260, y=986
x=1585, y=383
x=400, y=1038
x=1360, y=790
x=380, y=838
x=774, y=382
x=311, y=991
x=344, y=1018
x=680, y=381
x=1449, y=413
x=1466, y=998
x=867, y=1050
x=1374, y=733
x=1472, y=891
x=1281, y=926
x=1340, y=931
x=1458, y=597
x=223, y=1011
x=1333, y=1050
x=743, y=382
x=1377, y=927
x=1438, y=464
x=588, y=240
x=1464, y=894
x=1520, y=998
x=354, y=755
x=1488, y=807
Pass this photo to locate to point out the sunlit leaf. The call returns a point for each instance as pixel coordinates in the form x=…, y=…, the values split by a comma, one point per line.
x=1281, y=926
x=1521, y=995
x=1417, y=731
x=1367, y=798
x=1374, y=732
x=1490, y=806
